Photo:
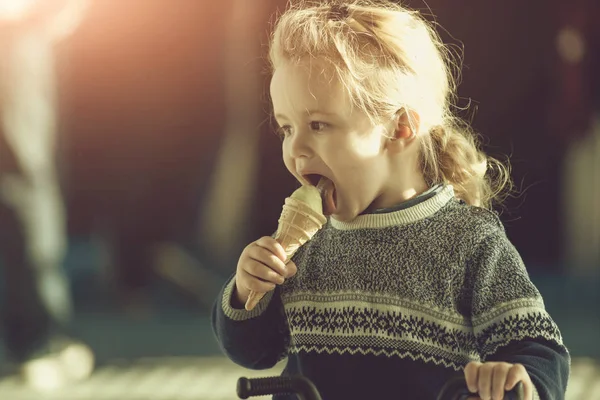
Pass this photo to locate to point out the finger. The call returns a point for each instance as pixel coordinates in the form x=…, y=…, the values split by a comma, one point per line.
x=484, y=381
x=471, y=375
x=516, y=374
x=255, y=284
x=528, y=390
x=273, y=246
x=291, y=269
x=261, y=271
x=270, y=260
x=499, y=376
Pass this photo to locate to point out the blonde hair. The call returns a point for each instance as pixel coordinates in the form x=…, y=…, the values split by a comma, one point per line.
x=388, y=58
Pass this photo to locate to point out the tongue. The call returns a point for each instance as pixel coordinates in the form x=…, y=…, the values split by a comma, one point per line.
x=327, y=189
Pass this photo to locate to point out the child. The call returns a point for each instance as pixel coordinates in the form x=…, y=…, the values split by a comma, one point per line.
x=412, y=279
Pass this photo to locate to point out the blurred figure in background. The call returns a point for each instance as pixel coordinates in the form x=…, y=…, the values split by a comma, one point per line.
x=33, y=241
x=574, y=118
x=145, y=119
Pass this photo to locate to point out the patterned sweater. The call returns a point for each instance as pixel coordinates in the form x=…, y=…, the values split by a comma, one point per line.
x=398, y=303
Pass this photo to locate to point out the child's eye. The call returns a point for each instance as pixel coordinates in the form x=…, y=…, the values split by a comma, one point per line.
x=318, y=126
x=284, y=131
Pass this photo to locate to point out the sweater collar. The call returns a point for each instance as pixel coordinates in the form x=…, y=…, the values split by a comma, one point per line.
x=405, y=216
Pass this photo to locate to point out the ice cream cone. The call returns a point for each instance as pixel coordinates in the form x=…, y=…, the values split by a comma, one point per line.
x=298, y=223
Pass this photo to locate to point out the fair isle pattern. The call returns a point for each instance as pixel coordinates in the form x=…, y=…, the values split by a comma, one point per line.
x=371, y=325
x=515, y=320
x=354, y=328
x=445, y=288
x=417, y=355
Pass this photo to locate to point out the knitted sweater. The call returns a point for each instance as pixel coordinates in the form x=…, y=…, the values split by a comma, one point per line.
x=398, y=303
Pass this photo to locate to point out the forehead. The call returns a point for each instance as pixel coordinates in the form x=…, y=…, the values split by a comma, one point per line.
x=310, y=84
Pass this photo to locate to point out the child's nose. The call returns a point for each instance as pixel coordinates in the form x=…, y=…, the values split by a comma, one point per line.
x=300, y=145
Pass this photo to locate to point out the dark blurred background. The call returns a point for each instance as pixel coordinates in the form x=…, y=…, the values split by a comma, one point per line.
x=169, y=166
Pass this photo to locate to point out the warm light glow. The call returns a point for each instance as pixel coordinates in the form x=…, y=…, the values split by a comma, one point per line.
x=15, y=9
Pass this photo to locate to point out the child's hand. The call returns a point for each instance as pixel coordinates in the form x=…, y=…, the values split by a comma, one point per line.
x=491, y=379
x=260, y=267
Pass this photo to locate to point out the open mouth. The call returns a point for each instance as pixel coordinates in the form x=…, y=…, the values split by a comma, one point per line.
x=313, y=179
x=327, y=189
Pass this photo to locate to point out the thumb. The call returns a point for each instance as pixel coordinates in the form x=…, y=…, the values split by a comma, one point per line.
x=290, y=269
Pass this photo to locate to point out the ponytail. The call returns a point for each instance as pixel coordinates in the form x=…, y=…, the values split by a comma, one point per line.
x=451, y=155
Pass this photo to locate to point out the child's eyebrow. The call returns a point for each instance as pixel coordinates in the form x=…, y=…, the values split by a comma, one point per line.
x=308, y=112
x=311, y=112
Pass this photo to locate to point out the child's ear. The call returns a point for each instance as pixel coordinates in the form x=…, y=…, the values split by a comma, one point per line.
x=405, y=128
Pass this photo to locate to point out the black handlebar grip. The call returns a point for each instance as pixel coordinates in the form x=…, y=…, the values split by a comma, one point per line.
x=299, y=385
x=456, y=389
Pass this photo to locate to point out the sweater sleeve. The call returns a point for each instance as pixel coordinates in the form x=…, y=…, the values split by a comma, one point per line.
x=256, y=339
x=547, y=363
x=509, y=318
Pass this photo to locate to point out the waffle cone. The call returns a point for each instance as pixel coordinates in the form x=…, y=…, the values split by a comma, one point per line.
x=298, y=223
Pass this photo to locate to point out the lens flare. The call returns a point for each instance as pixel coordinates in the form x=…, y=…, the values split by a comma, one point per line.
x=15, y=9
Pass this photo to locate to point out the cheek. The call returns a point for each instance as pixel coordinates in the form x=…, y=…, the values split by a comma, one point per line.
x=365, y=174
x=287, y=160
x=355, y=174
x=360, y=150
x=359, y=158
x=370, y=146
